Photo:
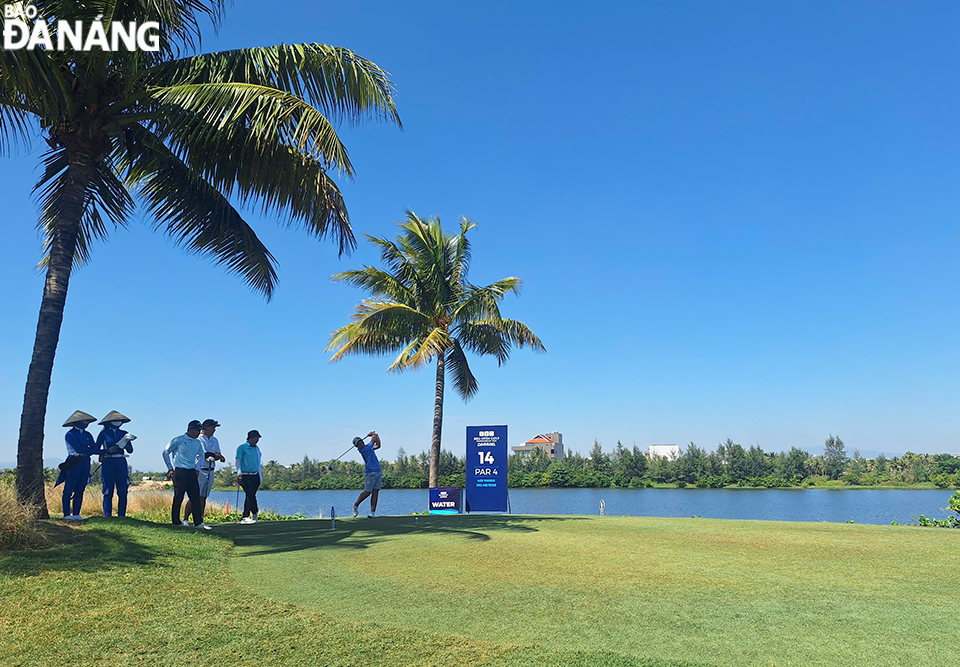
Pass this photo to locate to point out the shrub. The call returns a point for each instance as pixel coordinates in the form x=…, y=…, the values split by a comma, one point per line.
x=18, y=528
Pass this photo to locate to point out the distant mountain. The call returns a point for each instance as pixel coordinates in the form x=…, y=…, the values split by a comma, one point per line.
x=47, y=463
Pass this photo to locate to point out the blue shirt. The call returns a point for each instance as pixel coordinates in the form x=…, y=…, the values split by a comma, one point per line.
x=187, y=452
x=370, y=461
x=248, y=459
x=110, y=436
x=79, y=442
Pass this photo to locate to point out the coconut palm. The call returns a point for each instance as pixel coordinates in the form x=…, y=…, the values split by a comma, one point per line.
x=181, y=134
x=424, y=308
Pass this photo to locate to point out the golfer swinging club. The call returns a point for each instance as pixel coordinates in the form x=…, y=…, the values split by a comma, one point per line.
x=372, y=474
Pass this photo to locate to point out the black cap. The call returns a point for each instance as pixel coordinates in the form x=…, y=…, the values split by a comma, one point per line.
x=253, y=434
x=210, y=422
x=194, y=426
x=358, y=442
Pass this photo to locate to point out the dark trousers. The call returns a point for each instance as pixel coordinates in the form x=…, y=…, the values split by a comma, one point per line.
x=185, y=482
x=115, y=475
x=250, y=484
x=74, y=485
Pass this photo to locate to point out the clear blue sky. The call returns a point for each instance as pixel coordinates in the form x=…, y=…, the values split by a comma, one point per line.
x=731, y=219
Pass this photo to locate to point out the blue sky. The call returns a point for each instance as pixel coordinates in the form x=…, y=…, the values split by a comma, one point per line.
x=731, y=220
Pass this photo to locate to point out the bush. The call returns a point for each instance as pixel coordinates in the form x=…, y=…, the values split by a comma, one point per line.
x=18, y=528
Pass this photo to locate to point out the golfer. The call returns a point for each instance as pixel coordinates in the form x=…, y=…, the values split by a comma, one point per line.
x=186, y=452
x=372, y=473
x=248, y=467
x=211, y=454
x=75, y=471
x=112, y=444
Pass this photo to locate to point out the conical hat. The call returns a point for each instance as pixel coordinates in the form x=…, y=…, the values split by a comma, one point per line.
x=114, y=416
x=81, y=417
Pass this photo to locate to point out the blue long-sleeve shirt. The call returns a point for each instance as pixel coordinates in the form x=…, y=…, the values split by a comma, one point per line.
x=79, y=442
x=110, y=436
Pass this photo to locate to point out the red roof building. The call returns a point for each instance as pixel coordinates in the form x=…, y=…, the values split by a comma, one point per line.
x=551, y=443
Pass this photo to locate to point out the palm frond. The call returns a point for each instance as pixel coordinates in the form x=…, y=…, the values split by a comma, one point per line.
x=378, y=283
x=105, y=196
x=483, y=339
x=435, y=342
x=515, y=332
x=16, y=125
x=483, y=302
x=266, y=112
x=193, y=213
x=463, y=379
x=260, y=170
x=343, y=84
x=353, y=339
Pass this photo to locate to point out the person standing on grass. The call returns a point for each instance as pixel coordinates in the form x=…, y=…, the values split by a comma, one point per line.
x=249, y=470
x=211, y=454
x=186, y=452
x=372, y=473
x=75, y=471
x=112, y=443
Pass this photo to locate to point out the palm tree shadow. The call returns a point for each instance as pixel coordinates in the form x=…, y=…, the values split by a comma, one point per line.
x=92, y=551
x=285, y=536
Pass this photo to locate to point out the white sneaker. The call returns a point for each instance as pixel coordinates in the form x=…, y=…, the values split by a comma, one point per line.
x=185, y=523
x=372, y=515
x=204, y=526
x=356, y=510
x=246, y=519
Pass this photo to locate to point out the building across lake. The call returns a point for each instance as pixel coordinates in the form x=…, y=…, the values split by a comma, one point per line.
x=551, y=443
x=669, y=452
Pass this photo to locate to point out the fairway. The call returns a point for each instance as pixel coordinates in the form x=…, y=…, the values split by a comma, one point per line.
x=716, y=592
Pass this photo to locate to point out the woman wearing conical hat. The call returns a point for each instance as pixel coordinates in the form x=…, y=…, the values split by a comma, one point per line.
x=75, y=471
x=112, y=443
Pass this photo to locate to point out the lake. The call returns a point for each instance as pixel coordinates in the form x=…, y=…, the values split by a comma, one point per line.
x=879, y=506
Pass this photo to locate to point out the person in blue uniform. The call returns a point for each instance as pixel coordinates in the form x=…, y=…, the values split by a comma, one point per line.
x=75, y=471
x=112, y=443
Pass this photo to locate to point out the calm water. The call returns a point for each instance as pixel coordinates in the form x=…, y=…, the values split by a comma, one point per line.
x=861, y=506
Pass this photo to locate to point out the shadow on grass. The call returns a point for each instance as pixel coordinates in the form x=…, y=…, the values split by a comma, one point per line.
x=99, y=545
x=283, y=536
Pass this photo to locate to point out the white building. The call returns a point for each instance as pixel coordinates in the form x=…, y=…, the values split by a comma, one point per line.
x=670, y=452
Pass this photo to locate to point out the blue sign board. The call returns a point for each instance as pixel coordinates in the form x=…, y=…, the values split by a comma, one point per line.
x=486, y=469
x=445, y=500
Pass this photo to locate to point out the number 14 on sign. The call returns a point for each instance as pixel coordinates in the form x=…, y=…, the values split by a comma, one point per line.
x=485, y=457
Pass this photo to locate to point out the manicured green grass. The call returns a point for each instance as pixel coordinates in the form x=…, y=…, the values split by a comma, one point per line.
x=123, y=592
x=705, y=591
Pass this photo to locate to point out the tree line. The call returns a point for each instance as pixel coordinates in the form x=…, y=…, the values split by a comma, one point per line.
x=729, y=465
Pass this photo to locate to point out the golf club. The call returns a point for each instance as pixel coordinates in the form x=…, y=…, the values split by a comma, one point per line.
x=330, y=467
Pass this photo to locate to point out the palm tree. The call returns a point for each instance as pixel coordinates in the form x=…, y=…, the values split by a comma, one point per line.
x=181, y=133
x=424, y=308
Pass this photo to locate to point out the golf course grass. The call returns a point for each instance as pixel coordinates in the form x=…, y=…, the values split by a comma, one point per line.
x=484, y=590
x=705, y=591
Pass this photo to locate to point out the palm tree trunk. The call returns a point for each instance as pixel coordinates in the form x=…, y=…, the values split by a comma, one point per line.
x=29, y=482
x=437, y=420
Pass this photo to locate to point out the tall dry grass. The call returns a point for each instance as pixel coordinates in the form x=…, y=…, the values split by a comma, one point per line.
x=18, y=528
x=140, y=500
x=149, y=502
